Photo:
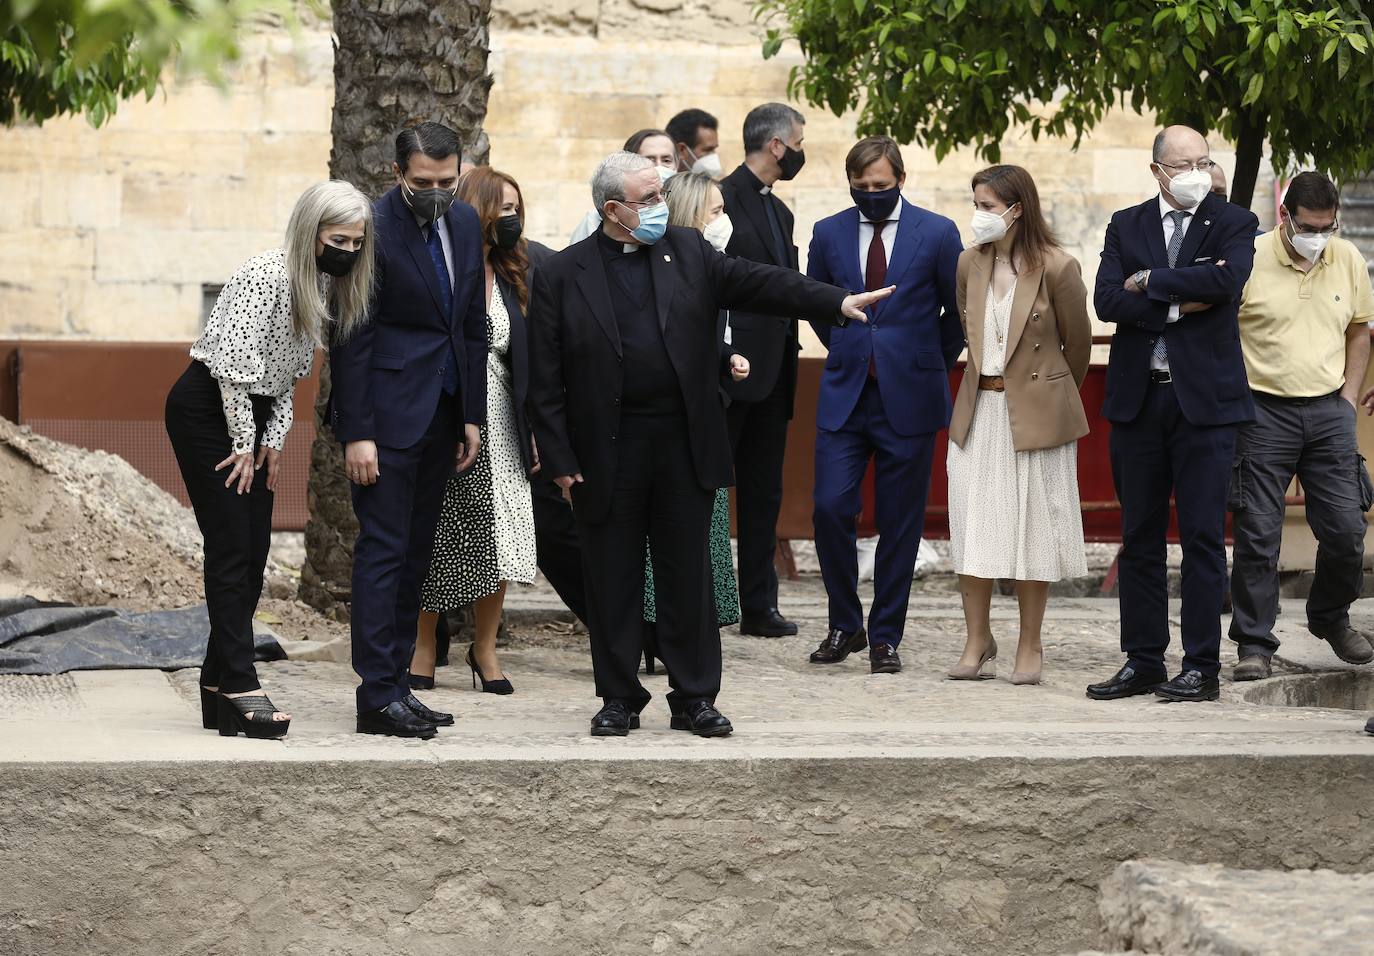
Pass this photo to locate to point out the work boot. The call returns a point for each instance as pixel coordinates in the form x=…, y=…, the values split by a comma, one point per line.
x=1252, y=667
x=1349, y=644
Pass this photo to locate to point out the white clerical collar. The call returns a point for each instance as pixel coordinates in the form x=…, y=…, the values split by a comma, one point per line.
x=630, y=247
x=765, y=190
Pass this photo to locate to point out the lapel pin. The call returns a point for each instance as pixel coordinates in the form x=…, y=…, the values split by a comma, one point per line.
x=667, y=258
x=1206, y=222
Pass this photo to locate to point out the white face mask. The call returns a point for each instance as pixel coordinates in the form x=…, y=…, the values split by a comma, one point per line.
x=989, y=226
x=718, y=231
x=665, y=173
x=708, y=164
x=1309, y=245
x=1188, y=188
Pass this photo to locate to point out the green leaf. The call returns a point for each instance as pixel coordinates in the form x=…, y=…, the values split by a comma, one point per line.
x=1358, y=41
x=1272, y=42
x=1049, y=36
x=1190, y=57
x=1253, y=91
x=928, y=61
x=859, y=6
x=948, y=63
x=1330, y=48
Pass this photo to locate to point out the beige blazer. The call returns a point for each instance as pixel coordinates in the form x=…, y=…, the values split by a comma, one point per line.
x=1049, y=345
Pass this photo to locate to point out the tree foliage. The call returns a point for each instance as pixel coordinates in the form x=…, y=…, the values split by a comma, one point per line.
x=61, y=57
x=952, y=73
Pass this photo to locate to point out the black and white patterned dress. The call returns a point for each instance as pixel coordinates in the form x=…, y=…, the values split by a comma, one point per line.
x=486, y=531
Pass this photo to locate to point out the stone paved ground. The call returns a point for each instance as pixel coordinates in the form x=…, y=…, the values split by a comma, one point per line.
x=780, y=704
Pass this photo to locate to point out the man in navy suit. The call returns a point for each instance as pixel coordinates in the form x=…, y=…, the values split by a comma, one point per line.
x=409, y=395
x=1171, y=277
x=884, y=394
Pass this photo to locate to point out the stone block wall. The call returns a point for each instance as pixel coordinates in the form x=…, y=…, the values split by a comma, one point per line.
x=112, y=234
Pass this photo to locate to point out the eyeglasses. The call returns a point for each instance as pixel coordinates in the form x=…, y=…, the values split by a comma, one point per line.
x=1202, y=166
x=1326, y=233
x=644, y=203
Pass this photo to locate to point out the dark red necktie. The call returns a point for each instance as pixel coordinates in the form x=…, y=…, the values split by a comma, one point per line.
x=875, y=276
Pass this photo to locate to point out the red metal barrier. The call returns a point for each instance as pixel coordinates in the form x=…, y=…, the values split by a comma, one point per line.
x=110, y=395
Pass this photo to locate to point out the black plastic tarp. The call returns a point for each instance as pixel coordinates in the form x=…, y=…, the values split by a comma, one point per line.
x=43, y=637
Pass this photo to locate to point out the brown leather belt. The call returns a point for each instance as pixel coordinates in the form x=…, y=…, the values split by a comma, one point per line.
x=991, y=383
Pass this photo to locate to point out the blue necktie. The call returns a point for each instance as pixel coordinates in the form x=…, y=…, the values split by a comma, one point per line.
x=1160, y=353
x=436, y=256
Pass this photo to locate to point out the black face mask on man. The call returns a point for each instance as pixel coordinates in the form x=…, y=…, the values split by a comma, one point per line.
x=506, y=231
x=335, y=261
x=791, y=162
x=429, y=204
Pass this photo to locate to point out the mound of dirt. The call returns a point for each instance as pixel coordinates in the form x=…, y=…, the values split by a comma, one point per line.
x=86, y=527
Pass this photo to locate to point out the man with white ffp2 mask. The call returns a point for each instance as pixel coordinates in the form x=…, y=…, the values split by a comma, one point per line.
x=1170, y=281
x=1304, y=326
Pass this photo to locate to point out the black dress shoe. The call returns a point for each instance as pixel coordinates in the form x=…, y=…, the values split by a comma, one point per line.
x=395, y=720
x=615, y=719
x=702, y=719
x=883, y=659
x=768, y=624
x=436, y=717
x=1127, y=682
x=838, y=645
x=1190, y=686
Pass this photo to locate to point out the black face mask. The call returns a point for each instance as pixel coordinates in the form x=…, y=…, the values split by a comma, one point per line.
x=507, y=231
x=876, y=206
x=791, y=163
x=429, y=204
x=335, y=261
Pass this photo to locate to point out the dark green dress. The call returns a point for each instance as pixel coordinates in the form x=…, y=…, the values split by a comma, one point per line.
x=722, y=568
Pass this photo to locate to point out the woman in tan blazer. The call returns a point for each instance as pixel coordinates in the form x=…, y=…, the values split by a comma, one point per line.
x=1013, y=473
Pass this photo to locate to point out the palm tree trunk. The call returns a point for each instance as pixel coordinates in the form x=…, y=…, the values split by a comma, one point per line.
x=396, y=63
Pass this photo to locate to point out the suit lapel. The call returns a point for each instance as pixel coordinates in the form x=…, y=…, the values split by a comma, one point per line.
x=976, y=305
x=664, y=272
x=591, y=281
x=415, y=245
x=1201, y=224
x=907, y=242
x=1023, y=300
x=1154, y=229
x=849, y=239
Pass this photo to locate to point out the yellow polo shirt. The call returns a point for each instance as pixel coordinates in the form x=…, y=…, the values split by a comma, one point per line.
x=1293, y=323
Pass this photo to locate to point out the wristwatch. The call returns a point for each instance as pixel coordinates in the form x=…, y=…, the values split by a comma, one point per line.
x=1142, y=278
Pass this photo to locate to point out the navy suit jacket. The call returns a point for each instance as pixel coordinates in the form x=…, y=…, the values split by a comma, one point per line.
x=386, y=379
x=914, y=336
x=1204, y=347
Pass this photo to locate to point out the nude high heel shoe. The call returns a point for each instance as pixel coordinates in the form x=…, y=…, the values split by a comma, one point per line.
x=1028, y=677
x=975, y=671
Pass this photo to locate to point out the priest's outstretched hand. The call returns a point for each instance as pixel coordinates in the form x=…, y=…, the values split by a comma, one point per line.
x=853, y=305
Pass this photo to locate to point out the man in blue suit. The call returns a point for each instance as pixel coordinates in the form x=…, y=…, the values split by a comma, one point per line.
x=409, y=395
x=1171, y=277
x=884, y=394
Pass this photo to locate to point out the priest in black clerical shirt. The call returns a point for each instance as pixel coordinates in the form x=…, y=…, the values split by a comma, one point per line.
x=625, y=369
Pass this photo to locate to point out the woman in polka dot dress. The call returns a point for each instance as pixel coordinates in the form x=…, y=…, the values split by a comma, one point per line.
x=229, y=414
x=485, y=537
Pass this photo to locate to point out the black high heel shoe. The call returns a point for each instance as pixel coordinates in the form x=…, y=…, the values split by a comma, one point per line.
x=209, y=708
x=251, y=716
x=420, y=681
x=501, y=686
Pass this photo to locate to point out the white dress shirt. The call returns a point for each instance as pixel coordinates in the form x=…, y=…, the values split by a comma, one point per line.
x=1164, y=210
x=889, y=235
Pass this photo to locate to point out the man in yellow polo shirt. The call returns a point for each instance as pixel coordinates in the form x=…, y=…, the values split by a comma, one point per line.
x=1305, y=334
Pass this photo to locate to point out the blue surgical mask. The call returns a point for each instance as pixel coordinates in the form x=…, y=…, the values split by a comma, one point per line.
x=653, y=223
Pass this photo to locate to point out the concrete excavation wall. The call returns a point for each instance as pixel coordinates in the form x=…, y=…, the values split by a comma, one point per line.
x=607, y=856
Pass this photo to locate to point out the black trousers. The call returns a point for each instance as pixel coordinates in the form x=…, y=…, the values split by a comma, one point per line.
x=656, y=495
x=1316, y=441
x=396, y=521
x=758, y=439
x=557, y=547
x=237, y=528
x=1157, y=454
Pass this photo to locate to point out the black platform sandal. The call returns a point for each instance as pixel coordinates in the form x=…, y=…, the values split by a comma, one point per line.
x=209, y=708
x=251, y=716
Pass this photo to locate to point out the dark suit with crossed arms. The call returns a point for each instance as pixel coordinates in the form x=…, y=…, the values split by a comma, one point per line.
x=1174, y=423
